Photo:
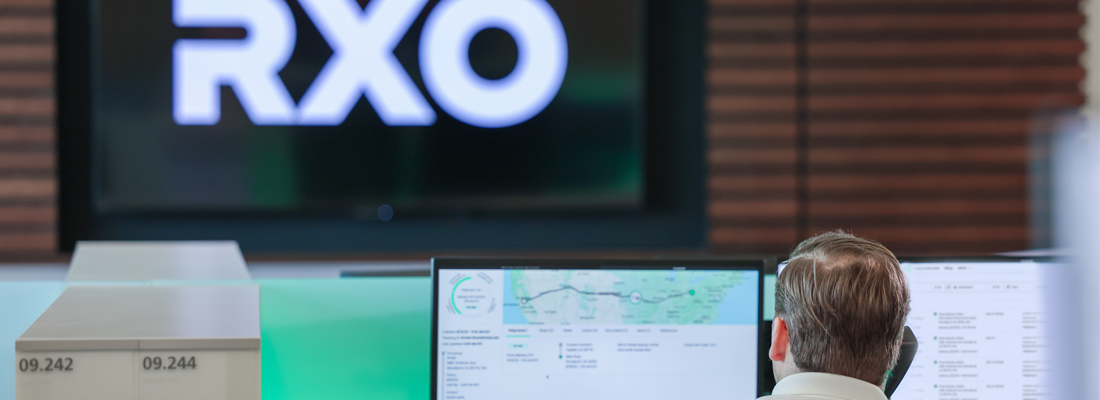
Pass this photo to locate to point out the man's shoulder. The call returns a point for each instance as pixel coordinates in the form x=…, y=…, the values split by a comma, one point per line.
x=796, y=397
x=822, y=386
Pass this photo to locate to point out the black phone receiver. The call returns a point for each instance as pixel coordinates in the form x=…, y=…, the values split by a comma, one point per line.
x=908, y=351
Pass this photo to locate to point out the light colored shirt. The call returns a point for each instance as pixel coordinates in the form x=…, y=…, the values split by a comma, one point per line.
x=820, y=386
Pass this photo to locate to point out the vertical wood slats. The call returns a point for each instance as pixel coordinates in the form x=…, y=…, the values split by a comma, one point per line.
x=28, y=186
x=752, y=132
x=919, y=113
x=983, y=64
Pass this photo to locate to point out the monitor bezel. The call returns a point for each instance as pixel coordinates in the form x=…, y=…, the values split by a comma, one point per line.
x=975, y=259
x=781, y=261
x=738, y=264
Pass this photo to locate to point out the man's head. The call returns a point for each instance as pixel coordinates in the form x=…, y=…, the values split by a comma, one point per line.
x=840, y=307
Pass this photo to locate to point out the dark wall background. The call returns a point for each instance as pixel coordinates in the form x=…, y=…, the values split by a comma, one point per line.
x=906, y=121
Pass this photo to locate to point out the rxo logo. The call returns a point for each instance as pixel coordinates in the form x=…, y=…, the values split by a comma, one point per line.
x=363, y=62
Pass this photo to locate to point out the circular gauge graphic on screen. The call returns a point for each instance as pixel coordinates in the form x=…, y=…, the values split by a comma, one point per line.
x=471, y=296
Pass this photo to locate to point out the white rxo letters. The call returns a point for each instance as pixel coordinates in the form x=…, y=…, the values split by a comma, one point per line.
x=364, y=66
x=363, y=62
x=445, y=64
x=250, y=66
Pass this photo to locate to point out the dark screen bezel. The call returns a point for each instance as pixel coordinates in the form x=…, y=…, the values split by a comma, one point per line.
x=739, y=264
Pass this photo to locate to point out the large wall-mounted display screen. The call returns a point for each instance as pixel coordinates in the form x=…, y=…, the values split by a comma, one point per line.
x=338, y=105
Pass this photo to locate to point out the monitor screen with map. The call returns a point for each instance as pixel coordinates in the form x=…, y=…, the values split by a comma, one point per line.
x=599, y=329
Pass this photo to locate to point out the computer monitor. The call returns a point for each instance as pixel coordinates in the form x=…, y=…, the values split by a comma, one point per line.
x=595, y=329
x=980, y=327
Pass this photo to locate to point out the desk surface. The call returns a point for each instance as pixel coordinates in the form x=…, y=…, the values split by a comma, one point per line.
x=145, y=261
x=357, y=338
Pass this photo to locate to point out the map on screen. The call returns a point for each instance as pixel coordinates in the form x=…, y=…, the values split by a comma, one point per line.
x=572, y=297
x=597, y=333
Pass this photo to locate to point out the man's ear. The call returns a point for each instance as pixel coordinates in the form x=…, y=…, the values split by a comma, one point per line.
x=780, y=340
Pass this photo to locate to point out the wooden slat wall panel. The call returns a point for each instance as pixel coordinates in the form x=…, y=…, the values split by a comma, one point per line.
x=33, y=5
x=752, y=132
x=28, y=187
x=919, y=116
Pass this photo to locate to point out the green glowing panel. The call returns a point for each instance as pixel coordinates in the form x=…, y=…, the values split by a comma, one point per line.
x=365, y=338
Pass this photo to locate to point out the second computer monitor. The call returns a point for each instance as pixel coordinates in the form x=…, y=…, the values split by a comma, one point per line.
x=980, y=325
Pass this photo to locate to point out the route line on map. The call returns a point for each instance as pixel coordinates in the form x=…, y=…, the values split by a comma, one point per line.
x=616, y=294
